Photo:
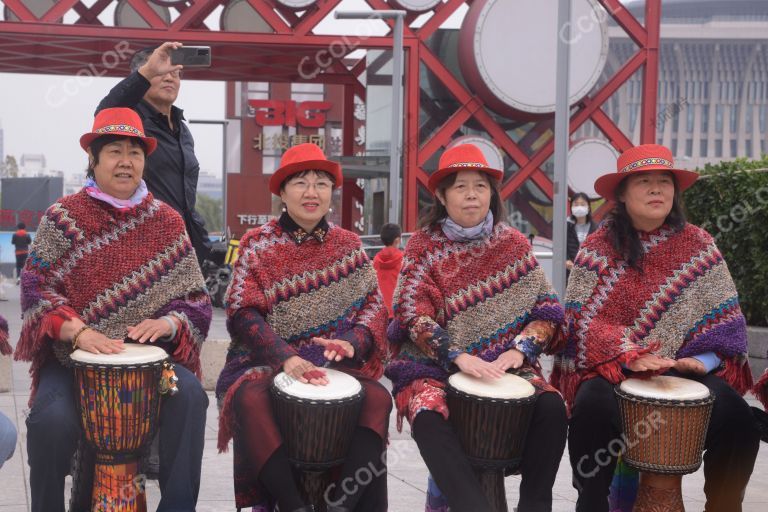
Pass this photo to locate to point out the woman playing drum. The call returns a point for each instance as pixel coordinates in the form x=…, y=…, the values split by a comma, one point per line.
x=111, y=262
x=472, y=298
x=303, y=295
x=650, y=293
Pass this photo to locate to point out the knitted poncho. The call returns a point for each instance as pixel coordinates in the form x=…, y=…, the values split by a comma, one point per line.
x=112, y=269
x=682, y=302
x=284, y=293
x=472, y=297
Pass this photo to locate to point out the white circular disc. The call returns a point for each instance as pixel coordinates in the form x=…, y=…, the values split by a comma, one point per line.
x=509, y=52
x=588, y=160
x=491, y=151
x=132, y=355
x=666, y=388
x=296, y=4
x=507, y=387
x=340, y=385
x=415, y=5
x=126, y=15
x=239, y=16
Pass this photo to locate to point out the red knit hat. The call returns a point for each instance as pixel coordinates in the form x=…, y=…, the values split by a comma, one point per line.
x=118, y=121
x=646, y=157
x=464, y=157
x=303, y=157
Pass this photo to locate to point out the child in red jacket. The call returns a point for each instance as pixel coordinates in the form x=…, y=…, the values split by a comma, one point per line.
x=388, y=262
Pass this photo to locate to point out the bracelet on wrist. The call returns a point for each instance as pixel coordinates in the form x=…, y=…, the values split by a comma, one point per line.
x=77, y=335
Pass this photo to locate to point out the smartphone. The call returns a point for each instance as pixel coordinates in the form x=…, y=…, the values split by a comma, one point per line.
x=192, y=56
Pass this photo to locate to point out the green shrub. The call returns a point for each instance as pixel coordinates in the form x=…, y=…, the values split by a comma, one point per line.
x=730, y=201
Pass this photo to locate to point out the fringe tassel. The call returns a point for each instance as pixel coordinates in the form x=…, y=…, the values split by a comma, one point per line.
x=737, y=374
x=227, y=417
x=567, y=383
x=761, y=390
x=187, y=351
x=5, y=347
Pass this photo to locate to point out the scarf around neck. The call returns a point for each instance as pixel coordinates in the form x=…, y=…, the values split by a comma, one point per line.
x=457, y=233
x=93, y=190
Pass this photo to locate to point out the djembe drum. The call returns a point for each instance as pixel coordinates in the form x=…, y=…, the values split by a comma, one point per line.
x=665, y=421
x=316, y=423
x=119, y=404
x=491, y=418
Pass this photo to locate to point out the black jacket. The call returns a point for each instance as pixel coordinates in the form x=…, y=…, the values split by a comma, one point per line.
x=170, y=172
x=572, y=246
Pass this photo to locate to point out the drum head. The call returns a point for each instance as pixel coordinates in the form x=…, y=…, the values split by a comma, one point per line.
x=239, y=16
x=508, y=387
x=133, y=354
x=340, y=386
x=588, y=160
x=663, y=387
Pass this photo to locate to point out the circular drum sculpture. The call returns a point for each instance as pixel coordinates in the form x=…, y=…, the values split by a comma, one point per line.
x=296, y=4
x=239, y=16
x=588, y=159
x=38, y=8
x=415, y=5
x=127, y=16
x=508, y=53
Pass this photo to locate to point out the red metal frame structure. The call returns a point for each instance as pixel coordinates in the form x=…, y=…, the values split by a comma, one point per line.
x=42, y=45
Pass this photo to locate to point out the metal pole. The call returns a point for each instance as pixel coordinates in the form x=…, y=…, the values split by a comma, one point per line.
x=223, y=125
x=562, y=137
x=396, y=133
x=395, y=146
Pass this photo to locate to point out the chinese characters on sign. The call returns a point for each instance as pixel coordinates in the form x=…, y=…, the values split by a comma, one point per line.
x=281, y=142
x=250, y=219
x=10, y=218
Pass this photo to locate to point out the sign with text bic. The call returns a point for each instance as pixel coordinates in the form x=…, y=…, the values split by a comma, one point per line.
x=308, y=114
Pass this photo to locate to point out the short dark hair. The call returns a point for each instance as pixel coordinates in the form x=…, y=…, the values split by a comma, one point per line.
x=389, y=233
x=21, y=225
x=301, y=174
x=438, y=212
x=623, y=235
x=98, y=144
x=141, y=57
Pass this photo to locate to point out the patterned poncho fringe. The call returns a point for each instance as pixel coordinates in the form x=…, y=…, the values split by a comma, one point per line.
x=305, y=290
x=681, y=303
x=5, y=347
x=112, y=269
x=472, y=297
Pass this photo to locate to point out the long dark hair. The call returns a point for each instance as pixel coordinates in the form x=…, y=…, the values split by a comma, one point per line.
x=623, y=235
x=582, y=195
x=437, y=211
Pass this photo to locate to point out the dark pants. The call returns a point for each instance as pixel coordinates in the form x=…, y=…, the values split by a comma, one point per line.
x=53, y=431
x=731, y=445
x=450, y=468
x=21, y=259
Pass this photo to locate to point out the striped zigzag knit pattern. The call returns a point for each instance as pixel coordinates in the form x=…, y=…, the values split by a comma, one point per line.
x=112, y=269
x=473, y=297
x=681, y=302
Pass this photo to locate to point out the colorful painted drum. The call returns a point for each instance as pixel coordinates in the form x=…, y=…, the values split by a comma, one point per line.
x=119, y=404
x=491, y=418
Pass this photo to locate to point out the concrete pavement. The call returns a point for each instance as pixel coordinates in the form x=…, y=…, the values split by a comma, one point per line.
x=407, y=473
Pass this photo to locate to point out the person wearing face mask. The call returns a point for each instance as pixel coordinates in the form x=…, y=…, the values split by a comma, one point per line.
x=171, y=172
x=472, y=298
x=580, y=225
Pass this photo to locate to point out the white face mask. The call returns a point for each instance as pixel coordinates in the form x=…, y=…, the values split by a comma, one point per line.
x=580, y=211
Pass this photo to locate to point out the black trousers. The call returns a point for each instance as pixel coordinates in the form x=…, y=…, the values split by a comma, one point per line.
x=731, y=445
x=450, y=468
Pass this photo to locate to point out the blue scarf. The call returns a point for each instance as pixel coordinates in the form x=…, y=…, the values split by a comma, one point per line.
x=458, y=233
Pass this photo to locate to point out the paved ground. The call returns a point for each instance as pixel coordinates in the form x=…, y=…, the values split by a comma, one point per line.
x=407, y=473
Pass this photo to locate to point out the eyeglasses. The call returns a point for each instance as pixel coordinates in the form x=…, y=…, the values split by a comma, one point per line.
x=304, y=185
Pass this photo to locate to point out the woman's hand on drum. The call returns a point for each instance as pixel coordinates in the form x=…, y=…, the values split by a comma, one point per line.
x=651, y=362
x=304, y=371
x=335, y=350
x=690, y=366
x=512, y=358
x=151, y=330
x=93, y=341
x=476, y=367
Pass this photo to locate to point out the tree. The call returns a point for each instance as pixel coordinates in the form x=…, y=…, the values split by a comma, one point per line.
x=211, y=211
x=11, y=168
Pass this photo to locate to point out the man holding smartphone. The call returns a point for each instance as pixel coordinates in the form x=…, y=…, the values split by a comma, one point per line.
x=172, y=170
